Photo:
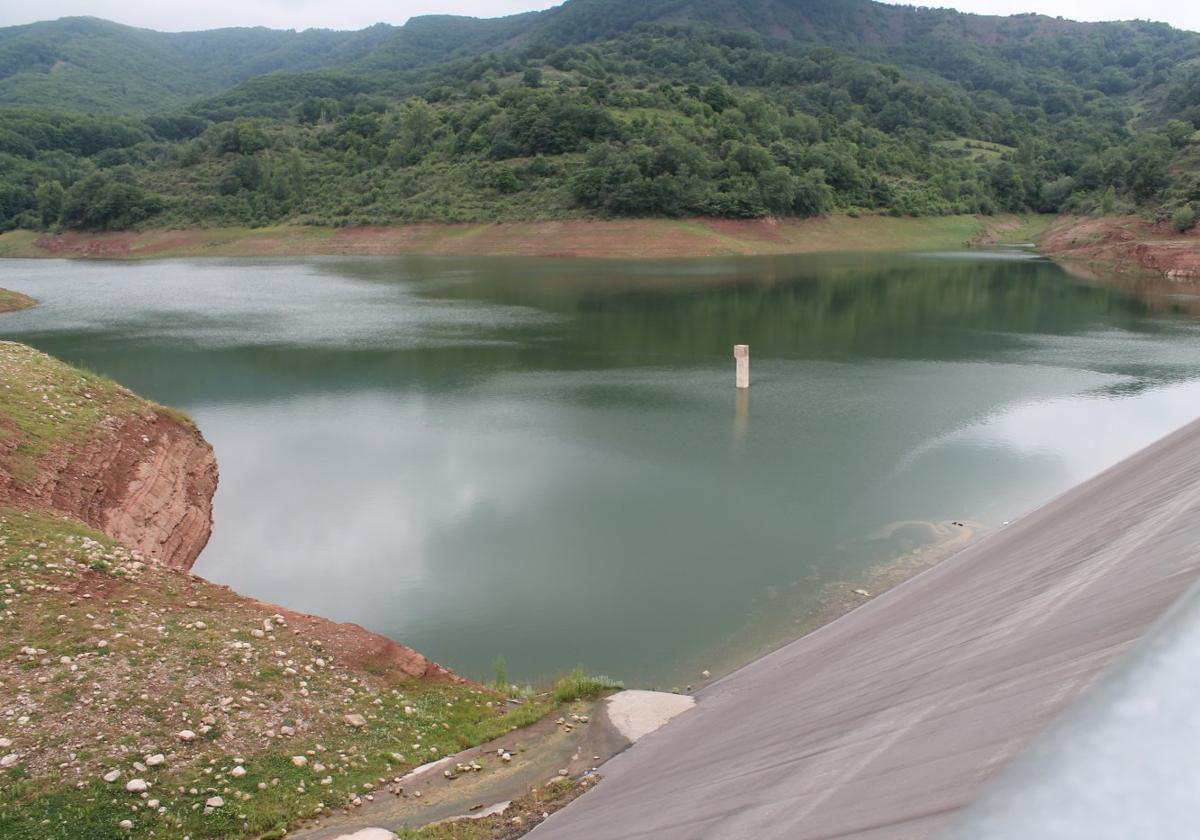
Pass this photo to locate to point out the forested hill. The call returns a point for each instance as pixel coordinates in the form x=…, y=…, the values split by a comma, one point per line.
x=598, y=107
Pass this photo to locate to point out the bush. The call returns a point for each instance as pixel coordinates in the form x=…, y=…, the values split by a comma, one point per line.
x=1184, y=219
x=578, y=686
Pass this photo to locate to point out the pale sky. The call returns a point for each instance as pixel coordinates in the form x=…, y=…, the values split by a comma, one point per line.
x=355, y=14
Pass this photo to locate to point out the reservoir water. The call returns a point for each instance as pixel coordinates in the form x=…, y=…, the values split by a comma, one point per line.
x=547, y=459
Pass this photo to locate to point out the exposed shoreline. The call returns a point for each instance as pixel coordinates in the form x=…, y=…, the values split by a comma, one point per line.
x=1124, y=246
x=615, y=239
x=1110, y=245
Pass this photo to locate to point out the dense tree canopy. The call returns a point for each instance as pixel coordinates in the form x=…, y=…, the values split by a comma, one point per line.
x=649, y=118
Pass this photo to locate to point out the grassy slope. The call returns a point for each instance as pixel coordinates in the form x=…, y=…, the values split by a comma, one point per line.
x=104, y=659
x=12, y=301
x=618, y=238
x=46, y=405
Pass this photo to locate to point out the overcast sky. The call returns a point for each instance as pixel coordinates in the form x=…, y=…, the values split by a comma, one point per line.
x=355, y=14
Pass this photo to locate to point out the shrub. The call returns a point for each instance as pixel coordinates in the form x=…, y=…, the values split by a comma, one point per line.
x=1184, y=219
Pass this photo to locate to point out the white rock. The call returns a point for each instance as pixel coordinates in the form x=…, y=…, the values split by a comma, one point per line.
x=152, y=804
x=156, y=759
x=187, y=736
x=214, y=802
x=357, y=721
x=5, y=743
x=238, y=772
x=111, y=776
x=126, y=824
x=287, y=731
x=137, y=786
x=9, y=760
x=299, y=760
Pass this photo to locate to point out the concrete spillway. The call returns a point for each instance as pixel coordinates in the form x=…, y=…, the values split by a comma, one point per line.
x=887, y=722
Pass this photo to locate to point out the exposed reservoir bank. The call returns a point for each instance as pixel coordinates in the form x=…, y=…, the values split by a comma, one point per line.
x=460, y=453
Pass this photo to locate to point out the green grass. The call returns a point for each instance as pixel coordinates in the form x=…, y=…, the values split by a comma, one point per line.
x=12, y=301
x=976, y=149
x=578, y=685
x=38, y=799
x=47, y=405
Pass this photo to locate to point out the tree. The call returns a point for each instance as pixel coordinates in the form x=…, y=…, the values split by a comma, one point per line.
x=49, y=198
x=415, y=137
x=105, y=201
x=778, y=188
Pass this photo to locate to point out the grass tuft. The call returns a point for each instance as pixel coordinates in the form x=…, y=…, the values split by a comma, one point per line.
x=578, y=685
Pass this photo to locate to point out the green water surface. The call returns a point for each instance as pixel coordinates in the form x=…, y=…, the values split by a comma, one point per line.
x=547, y=459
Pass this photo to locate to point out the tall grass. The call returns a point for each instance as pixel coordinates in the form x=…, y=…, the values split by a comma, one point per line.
x=579, y=686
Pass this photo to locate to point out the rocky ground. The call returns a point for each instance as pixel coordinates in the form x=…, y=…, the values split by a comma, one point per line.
x=137, y=700
x=519, y=818
x=1126, y=245
x=82, y=445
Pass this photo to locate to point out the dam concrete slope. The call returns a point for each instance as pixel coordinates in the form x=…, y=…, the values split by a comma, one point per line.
x=886, y=722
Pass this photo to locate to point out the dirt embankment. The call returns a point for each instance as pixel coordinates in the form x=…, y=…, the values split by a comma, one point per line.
x=1126, y=245
x=84, y=447
x=619, y=238
x=146, y=480
x=81, y=446
x=360, y=648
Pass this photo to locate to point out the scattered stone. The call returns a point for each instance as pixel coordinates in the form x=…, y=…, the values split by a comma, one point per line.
x=862, y=592
x=9, y=760
x=111, y=776
x=287, y=731
x=357, y=721
x=126, y=825
x=214, y=802
x=299, y=760
x=155, y=760
x=137, y=786
x=187, y=736
x=238, y=772
x=705, y=673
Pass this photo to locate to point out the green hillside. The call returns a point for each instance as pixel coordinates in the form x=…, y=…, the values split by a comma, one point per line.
x=598, y=108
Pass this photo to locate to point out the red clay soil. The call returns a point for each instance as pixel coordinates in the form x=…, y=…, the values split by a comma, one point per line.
x=145, y=480
x=1126, y=244
x=570, y=238
x=359, y=647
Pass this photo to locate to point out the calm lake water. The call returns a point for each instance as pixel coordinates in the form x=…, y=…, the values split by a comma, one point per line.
x=547, y=459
